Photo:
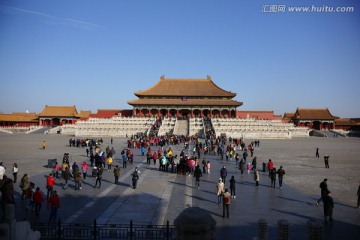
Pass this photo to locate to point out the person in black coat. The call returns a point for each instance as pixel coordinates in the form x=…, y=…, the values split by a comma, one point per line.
x=324, y=188
x=197, y=175
x=273, y=177
x=328, y=206
x=242, y=165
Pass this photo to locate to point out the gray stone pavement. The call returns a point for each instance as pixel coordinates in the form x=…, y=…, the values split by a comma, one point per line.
x=161, y=196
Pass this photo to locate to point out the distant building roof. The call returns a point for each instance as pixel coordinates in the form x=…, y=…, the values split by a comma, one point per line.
x=289, y=115
x=84, y=114
x=345, y=122
x=19, y=117
x=105, y=113
x=187, y=102
x=313, y=114
x=185, y=87
x=59, y=111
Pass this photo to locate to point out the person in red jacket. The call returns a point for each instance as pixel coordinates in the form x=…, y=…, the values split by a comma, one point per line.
x=155, y=156
x=50, y=181
x=270, y=166
x=38, y=199
x=53, y=203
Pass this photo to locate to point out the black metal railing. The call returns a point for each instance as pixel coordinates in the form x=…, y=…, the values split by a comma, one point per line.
x=106, y=231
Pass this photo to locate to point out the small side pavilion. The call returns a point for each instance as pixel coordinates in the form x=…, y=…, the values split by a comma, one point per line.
x=58, y=115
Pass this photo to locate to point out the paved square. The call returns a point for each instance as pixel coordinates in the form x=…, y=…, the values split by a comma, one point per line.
x=161, y=196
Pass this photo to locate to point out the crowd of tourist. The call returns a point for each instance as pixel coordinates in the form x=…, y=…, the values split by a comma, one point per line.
x=158, y=150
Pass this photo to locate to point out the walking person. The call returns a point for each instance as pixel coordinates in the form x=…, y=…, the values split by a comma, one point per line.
x=248, y=168
x=223, y=174
x=242, y=166
x=197, y=175
x=208, y=167
x=323, y=190
x=109, y=161
x=64, y=165
x=245, y=155
x=273, y=177
x=148, y=157
x=2, y=171
x=66, y=175
x=270, y=166
x=99, y=173
x=15, y=171
x=220, y=188
x=56, y=170
x=117, y=174
x=50, y=181
x=253, y=163
x=24, y=185
x=54, y=204
x=317, y=153
x=256, y=177
x=43, y=145
x=38, y=198
x=7, y=192
x=237, y=159
x=328, y=207
x=125, y=159
x=135, y=177
x=203, y=163
x=232, y=187
x=326, y=161
x=280, y=173
x=84, y=169
x=77, y=179
x=226, y=203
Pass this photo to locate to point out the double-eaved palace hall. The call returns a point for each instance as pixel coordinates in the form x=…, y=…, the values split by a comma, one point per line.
x=185, y=97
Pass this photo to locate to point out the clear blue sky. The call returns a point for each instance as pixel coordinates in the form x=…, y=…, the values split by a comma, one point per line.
x=96, y=54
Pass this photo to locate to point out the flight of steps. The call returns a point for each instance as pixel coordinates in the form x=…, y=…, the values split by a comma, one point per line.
x=181, y=127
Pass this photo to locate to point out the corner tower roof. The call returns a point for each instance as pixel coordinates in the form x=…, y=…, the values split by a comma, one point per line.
x=185, y=87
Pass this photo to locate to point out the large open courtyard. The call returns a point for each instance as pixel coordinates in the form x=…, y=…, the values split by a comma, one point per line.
x=161, y=196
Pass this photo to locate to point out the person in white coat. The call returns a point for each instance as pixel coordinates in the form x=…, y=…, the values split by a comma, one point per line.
x=2, y=171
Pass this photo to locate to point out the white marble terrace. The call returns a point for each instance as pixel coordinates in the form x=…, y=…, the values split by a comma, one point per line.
x=248, y=128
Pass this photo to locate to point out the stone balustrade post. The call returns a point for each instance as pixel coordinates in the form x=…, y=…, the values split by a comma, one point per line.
x=195, y=223
x=314, y=230
x=283, y=229
x=262, y=229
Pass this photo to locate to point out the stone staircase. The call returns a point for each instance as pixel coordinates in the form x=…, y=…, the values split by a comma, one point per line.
x=181, y=127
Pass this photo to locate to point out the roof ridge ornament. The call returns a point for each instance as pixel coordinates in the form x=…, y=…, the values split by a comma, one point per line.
x=162, y=77
x=208, y=77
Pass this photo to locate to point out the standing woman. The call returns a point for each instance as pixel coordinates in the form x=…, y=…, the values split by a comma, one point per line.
x=232, y=187
x=15, y=171
x=220, y=189
x=256, y=177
